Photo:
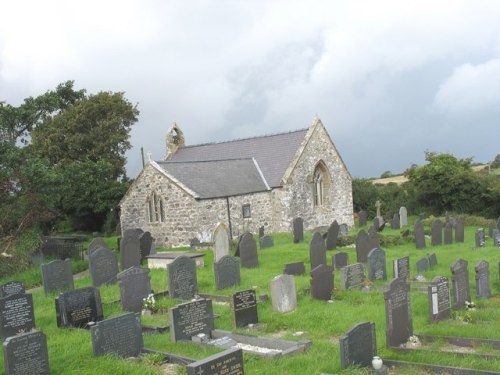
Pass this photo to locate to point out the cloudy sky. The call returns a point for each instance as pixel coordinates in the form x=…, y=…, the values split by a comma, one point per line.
x=389, y=79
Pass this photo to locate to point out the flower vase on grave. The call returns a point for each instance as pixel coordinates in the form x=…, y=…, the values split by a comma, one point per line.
x=377, y=363
x=146, y=312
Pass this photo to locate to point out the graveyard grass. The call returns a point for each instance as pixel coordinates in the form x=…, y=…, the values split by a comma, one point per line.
x=70, y=350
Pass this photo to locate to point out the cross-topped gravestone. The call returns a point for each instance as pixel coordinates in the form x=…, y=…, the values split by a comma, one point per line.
x=377, y=206
x=459, y=231
x=332, y=236
x=480, y=240
x=418, y=232
x=298, y=230
x=363, y=246
x=317, y=250
x=11, y=287
x=448, y=233
x=358, y=346
x=221, y=241
x=438, y=293
x=322, y=282
x=295, y=268
x=266, y=241
x=460, y=283
x=228, y=362
x=145, y=242
x=95, y=244
x=77, y=308
x=191, y=318
x=103, y=266
x=362, y=218
x=422, y=265
x=482, y=279
x=134, y=287
x=16, y=314
x=283, y=295
x=376, y=265
x=248, y=251
x=401, y=267
x=403, y=216
x=130, y=249
x=399, y=323
x=227, y=272
x=182, y=279
x=244, y=308
x=57, y=275
x=26, y=354
x=340, y=260
x=436, y=233
x=352, y=276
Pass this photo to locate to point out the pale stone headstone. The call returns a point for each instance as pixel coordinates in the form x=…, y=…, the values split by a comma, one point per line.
x=352, y=276
x=130, y=249
x=401, y=267
x=16, y=314
x=332, y=236
x=437, y=233
x=244, y=308
x=248, y=251
x=283, y=295
x=221, y=241
x=482, y=279
x=26, y=354
x=226, y=272
x=358, y=346
x=403, y=216
x=438, y=293
x=322, y=282
x=418, y=232
x=134, y=287
x=103, y=266
x=77, y=308
x=480, y=239
x=399, y=323
x=298, y=230
x=190, y=319
x=317, y=250
x=182, y=278
x=460, y=283
x=376, y=265
x=57, y=275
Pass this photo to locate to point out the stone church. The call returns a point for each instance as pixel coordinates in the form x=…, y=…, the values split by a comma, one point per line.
x=245, y=183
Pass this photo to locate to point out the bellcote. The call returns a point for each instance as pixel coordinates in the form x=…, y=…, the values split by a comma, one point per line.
x=174, y=141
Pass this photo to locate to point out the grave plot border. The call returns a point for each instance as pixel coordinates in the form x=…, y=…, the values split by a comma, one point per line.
x=437, y=368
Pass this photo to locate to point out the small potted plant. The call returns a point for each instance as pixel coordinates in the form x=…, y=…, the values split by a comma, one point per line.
x=149, y=304
x=413, y=342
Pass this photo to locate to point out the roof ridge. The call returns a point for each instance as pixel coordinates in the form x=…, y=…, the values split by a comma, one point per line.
x=199, y=161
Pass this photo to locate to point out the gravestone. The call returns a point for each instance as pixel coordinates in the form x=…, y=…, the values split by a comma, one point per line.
x=240, y=238
x=496, y=237
x=343, y=229
x=322, y=282
x=448, y=233
x=221, y=241
x=422, y=265
x=395, y=222
x=352, y=276
x=376, y=265
x=418, y=233
x=121, y=336
x=130, y=249
x=332, y=236
x=376, y=223
x=244, y=308
x=26, y=354
x=226, y=272
x=490, y=229
x=298, y=230
x=480, y=240
x=296, y=268
x=358, y=346
x=95, y=244
x=399, y=323
x=145, y=242
x=317, y=250
x=57, y=275
x=182, y=279
x=248, y=252
x=363, y=246
x=373, y=237
x=266, y=241
x=436, y=233
x=401, y=267
x=103, y=266
x=134, y=287
x=460, y=283
x=261, y=231
x=362, y=218
x=16, y=314
x=482, y=279
x=77, y=308
x=340, y=260
x=459, y=231
x=433, y=260
x=228, y=362
x=403, y=216
x=191, y=318
x=438, y=293
x=283, y=295
x=11, y=287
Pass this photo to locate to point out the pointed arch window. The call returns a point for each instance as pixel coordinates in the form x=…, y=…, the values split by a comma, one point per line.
x=155, y=208
x=320, y=184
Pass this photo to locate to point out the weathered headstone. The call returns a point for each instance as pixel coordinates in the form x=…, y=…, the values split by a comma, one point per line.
x=332, y=236
x=244, y=308
x=283, y=295
x=191, y=318
x=121, y=336
x=298, y=230
x=248, y=252
x=374, y=240
x=496, y=237
x=358, y=346
x=377, y=223
x=226, y=272
x=57, y=275
x=228, y=362
x=482, y=279
x=134, y=287
x=438, y=293
x=182, y=279
x=266, y=241
x=401, y=267
x=103, y=266
x=422, y=265
x=77, y=308
x=296, y=268
x=436, y=233
x=95, y=244
x=317, y=250
x=352, y=276
x=395, y=222
x=16, y=314
x=11, y=287
x=399, y=323
x=145, y=242
x=343, y=229
x=221, y=241
x=362, y=218
x=130, y=249
x=418, y=232
x=448, y=233
x=261, y=231
x=322, y=282
x=433, y=260
x=340, y=260
x=459, y=231
x=26, y=354
x=376, y=265
x=490, y=229
x=460, y=283
x=363, y=246
x=480, y=240
x=403, y=216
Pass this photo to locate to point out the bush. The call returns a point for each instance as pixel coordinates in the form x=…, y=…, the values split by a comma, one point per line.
x=18, y=252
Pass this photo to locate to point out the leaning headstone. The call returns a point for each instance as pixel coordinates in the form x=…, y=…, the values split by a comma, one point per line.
x=332, y=236
x=322, y=282
x=221, y=241
x=11, y=287
x=182, y=279
x=244, y=308
x=422, y=265
x=26, y=354
x=363, y=246
x=103, y=266
x=121, y=336
x=16, y=314
x=395, y=222
x=77, y=308
x=460, y=283
x=191, y=318
x=226, y=272
x=229, y=362
x=134, y=287
x=482, y=279
x=317, y=250
x=298, y=230
x=437, y=233
x=376, y=265
x=283, y=295
x=362, y=218
x=399, y=323
x=438, y=293
x=248, y=252
x=496, y=237
x=433, y=260
x=266, y=241
x=403, y=216
x=480, y=240
x=459, y=231
x=401, y=267
x=418, y=232
x=95, y=244
x=296, y=268
x=358, y=346
x=130, y=249
x=145, y=242
x=340, y=260
x=448, y=233
x=352, y=276
x=57, y=275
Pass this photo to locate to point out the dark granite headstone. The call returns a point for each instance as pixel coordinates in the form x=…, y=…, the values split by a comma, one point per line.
x=490, y=229
x=317, y=250
x=103, y=266
x=121, y=336
x=358, y=346
x=437, y=233
x=322, y=282
x=182, y=279
x=418, y=232
x=376, y=265
x=296, y=268
x=377, y=223
x=399, y=323
x=332, y=236
x=480, y=240
x=401, y=267
x=448, y=233
x=460, y=283
x=438, y=293
x=227, y=272
x=459, y=231
x=266, y=241
x=405, y=233
x=403, y=216
x=191, y=318
x=77, y=308
x=422, y=265
x=248, y=251
x=145, y=242
x=26, y=354
x=57, y=275
x=496, y=237
x=134, y=287
x=433, y=260
x=16, y=314
x=244, y=308
x=395, y=222
x=11, y=287
x=374, y=240
x=283, y=294
x=130, y=249
x=95, y=244
x=340, y=260
x=261, y=231
x=363, y=246
x=482, y=279
x=228, y=362
x=362, y=218
x=298, y=230
x=352, y=276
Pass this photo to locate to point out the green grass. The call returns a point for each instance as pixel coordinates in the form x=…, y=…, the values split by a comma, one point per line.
x=70, y=350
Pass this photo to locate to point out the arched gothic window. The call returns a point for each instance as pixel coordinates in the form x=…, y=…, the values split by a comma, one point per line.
x=155, y=208
x=321, y=183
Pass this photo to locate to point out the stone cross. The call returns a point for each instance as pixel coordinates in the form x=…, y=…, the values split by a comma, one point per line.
x=378, y=204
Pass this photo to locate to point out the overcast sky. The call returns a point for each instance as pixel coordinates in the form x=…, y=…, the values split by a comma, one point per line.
x=389, y=79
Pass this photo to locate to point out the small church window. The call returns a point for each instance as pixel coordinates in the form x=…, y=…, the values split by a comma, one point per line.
x=155, y=208
x=247, y=213
x=320, y=184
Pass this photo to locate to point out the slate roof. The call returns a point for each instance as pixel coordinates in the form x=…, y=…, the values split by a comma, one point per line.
x=273, y=153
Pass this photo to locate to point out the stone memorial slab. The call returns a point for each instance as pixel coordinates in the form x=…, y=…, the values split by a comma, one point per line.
x=490, y=229
x=482, y=279
x=448, y=233
x=134, y=287
x=283, y=295
x=401, y=267
x=322, y=282
x=399, y=323
x=266, y=241
x=362, y=218
x=340, y=260
x=438, y=293
x=460, y=283
x=436, y=233
x=459, y=231
x=343, y=229
x=228, y=362
x=121, y=336
x=77, y=308
x=403, y=216
x=374, y=240
x=182, y=279
x=422, y=265
x=296, y=268
x=221, y=241
x=376, y=265
x=16, y=314
x=57, y=275
x=433, y=260
x=261, y=231
x=248, y=251
x=358, y=346
x=244, y=308
x=418, y=233
x=103, y=266
x=496, y=237
x=332, y=236
x=298, y=230
x=377, y=223
x=317, y=250
x=227, y=272
x=11, y=287
x=26, y=354
x=395, y=222
x=191, y=318
x=352, y=276
x=479, y=237
x=145, y=242
x=130, y=249
x=95, y=244
x=363, y=246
